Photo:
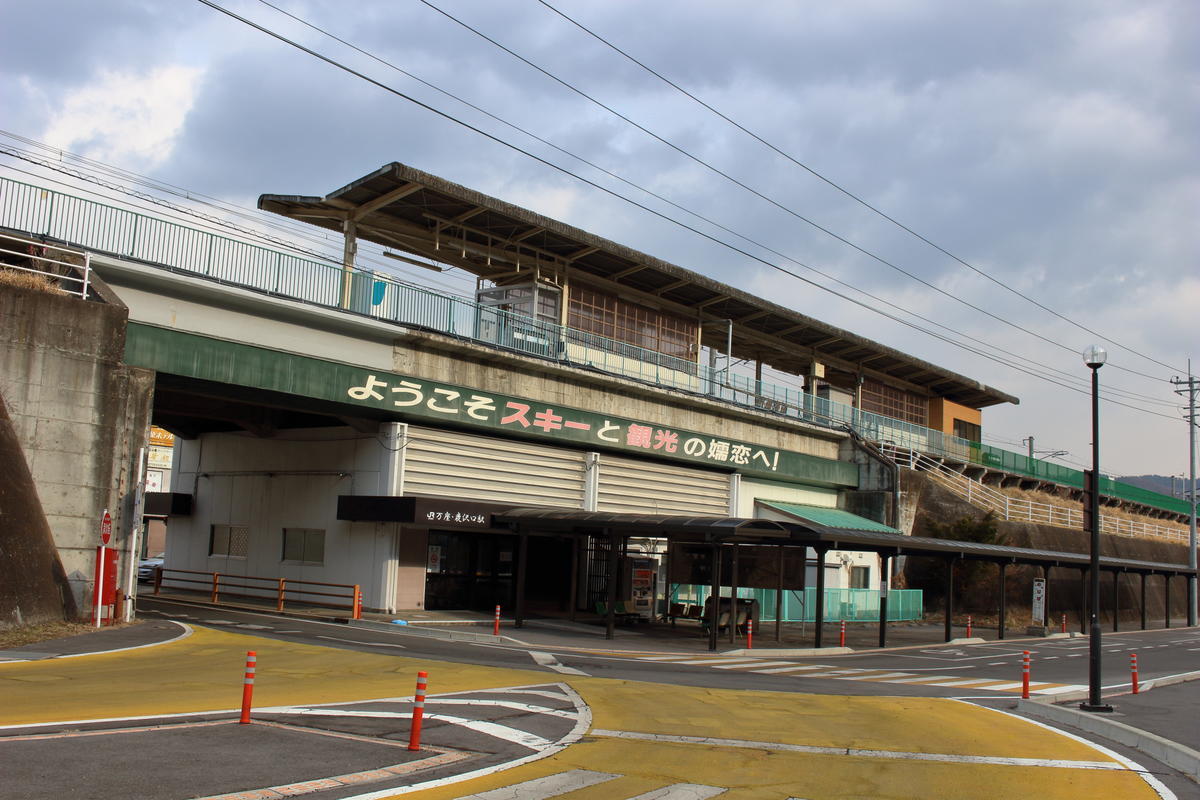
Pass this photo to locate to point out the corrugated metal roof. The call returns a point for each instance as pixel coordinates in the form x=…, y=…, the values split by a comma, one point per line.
x=828, y=517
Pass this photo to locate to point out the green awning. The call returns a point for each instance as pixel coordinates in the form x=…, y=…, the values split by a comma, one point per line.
x=828, y=518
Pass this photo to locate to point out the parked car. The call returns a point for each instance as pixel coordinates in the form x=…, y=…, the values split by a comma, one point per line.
x=146, y=568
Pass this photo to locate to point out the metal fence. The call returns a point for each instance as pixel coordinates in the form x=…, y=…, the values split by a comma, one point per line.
x=106, y=228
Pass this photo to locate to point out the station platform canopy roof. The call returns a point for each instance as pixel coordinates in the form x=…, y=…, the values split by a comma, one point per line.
x=823, y=529
x=403, y=208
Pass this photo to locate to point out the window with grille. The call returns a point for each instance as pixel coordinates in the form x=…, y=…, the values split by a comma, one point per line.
x=896, y=403
x=304, y=545
x=592, y=311
x=229, y=540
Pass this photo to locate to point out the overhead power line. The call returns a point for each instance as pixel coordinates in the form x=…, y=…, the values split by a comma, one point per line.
x=492, y=137
x=1062, y=374
x=842, y=189
x=786, y=209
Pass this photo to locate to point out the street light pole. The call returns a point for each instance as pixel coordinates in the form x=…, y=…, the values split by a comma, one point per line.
x=1094, y=357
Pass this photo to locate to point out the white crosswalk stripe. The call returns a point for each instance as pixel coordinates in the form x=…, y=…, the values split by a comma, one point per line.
x=562, y=783
x=788, y=669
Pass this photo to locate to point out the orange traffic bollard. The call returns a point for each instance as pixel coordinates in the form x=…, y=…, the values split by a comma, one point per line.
x=749, y=634
x=1025, y=676
x=1133, y=669
x=968, y=626
x=414, y=737
x=496, y=623
x=248, y=687
x=842, y=638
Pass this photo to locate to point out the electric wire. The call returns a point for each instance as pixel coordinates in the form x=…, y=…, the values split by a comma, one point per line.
x=786, y=209
x=492, y=137
x=843, y=190
x=1061, y=373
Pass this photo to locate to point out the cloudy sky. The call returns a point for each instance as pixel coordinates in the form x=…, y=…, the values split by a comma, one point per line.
x=1052, y=146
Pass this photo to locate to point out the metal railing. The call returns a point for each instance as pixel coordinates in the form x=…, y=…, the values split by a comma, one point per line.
x=160, y=242
x=1007, y=507
x=852, y=605
x=49, y=261
x=282, y=590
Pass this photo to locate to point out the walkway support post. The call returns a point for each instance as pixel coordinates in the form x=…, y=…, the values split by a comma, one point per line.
x=614, y=563
x=575, y=579
x=733, y=594
x=714, y=613
x=949, y=597
x=1143, y=601
x=820, y=610
x=1167, y=600
x=1003, y=600
x=1116, y=600
x=883, y=597
x=522, y=577
x=779, y=597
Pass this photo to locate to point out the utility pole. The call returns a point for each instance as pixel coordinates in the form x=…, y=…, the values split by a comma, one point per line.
x=1030, y=440
x=1190, y=387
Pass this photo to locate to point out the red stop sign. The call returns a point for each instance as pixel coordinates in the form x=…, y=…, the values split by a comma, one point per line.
x=106, y=528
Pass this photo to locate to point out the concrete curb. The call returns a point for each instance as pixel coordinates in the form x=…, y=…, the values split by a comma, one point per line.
x=1175, y=755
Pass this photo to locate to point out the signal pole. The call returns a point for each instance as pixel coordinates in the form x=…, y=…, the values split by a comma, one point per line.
x=1190, y=387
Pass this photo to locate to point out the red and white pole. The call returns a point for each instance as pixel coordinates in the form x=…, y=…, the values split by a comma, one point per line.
x=1064, y=623
x=1025, y=676
x=496, y=623
x=1133, y=668
x=968, y=626
x=749, y=634
x=414, y=738
x=248, y=687
x=842, y=638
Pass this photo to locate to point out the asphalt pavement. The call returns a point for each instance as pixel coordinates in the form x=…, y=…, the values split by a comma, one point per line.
x=298, y=745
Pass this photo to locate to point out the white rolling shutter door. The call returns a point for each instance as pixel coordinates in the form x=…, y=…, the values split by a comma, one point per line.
x=648, y=487
x=444, y=463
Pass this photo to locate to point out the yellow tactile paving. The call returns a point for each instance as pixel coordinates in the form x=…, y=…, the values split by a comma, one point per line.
x=204, y=673
x=761, y=775
x=912, y=724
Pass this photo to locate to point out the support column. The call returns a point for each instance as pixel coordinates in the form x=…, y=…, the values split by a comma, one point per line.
x=1003, y=601
x=614, y=564
x=349, y=251
x=522, y=560
x=883, y=598
x=949, y=597
x=779, y=598
x=714, y=614
x=820, y=610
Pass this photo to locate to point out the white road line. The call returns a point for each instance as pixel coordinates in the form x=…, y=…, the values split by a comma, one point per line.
x=550, y=662
x=783, y=669
x=526, y=707
x=1061, y=689
x=543, y=788
x=495, y=730
x=880, y=676
x=1004, y=687
x=997, y=663
x=754, y=664
x=972, y=682
x=682, y=791
x=952, y=758
x=352, y=641
x=662, y=658
x=715, y=661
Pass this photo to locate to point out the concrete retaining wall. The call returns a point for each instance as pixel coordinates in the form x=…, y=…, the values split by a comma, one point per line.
x=80, y=417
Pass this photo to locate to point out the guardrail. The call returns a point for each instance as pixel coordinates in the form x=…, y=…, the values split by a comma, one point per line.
x=156, y=241
x=49, y=261
x=217, y=585
x=1019, y=509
